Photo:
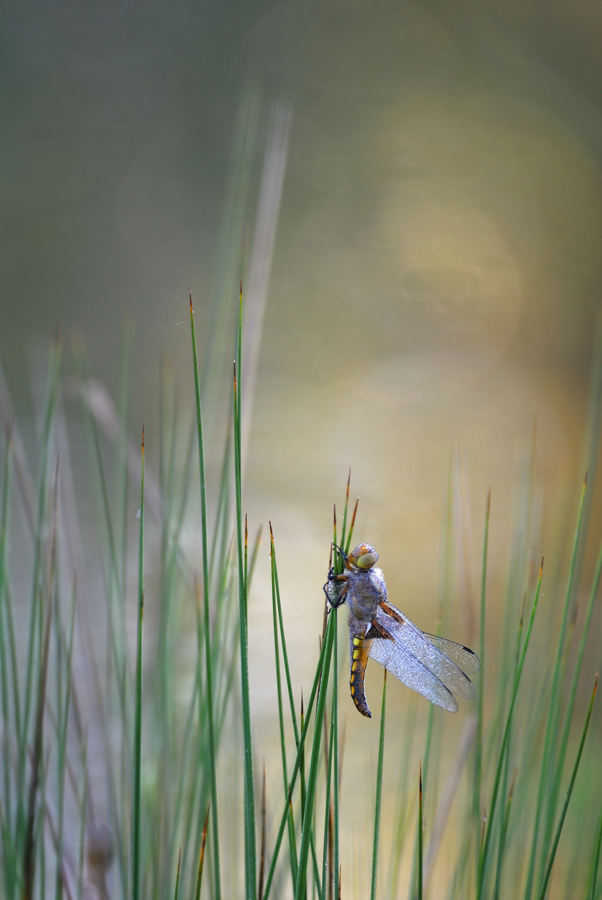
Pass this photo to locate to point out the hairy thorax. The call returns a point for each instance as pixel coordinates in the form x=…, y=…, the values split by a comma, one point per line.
x=365, y=592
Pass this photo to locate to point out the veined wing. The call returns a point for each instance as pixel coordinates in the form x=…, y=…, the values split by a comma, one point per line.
x=463, y=657
x=416, y=661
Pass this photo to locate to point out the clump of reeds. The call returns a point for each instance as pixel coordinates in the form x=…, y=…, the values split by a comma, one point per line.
x=165, y=804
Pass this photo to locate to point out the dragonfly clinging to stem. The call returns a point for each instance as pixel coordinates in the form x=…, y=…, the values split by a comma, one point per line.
x=433, y=666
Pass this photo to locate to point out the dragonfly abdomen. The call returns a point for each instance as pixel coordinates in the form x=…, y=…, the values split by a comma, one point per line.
x=360, y=648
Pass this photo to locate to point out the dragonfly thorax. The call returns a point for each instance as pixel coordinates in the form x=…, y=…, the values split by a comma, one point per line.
x=366, y=589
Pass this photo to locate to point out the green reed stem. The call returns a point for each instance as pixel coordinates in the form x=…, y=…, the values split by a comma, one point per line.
x=336, y=864
x=594, y=876
x=207, y=628
x=307, y=829
x=40, y=532
x=420, y=840
x=478, y=756
x=276, y=614
x=379, y=790
x=544, y=808
x=504, y=746
x=552, y=856
x=136, y=811
x=249, y=794
x=325, y=653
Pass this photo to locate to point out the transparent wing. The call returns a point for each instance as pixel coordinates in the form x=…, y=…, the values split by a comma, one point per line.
x=412, y=672
x=463, y=657
x=419, y=663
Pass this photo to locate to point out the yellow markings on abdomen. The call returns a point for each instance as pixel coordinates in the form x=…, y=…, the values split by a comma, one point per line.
x=359, y=659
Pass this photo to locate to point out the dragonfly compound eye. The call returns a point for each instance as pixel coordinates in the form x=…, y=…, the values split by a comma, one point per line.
x=363, y=557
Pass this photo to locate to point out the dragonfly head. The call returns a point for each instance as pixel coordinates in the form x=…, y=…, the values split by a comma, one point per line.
x=363, y=557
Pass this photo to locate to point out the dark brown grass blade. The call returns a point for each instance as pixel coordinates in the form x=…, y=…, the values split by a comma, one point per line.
x=199, y=879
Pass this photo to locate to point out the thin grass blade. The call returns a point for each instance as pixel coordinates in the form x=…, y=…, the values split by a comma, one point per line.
x=137, y=761
x=207, y=630
x=249, y=791
x=379, y=790
x=484, y=858
x=554, y=848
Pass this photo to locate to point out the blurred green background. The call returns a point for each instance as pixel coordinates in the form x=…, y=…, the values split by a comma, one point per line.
x=435, y=276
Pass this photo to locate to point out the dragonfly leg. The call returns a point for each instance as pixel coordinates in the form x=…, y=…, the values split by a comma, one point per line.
x=336, y=588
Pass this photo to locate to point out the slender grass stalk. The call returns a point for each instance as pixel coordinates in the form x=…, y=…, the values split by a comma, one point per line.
x=84, y=811
x=207, y=630
x=326, y=886
x=572, y=693
x=345, y=543
x=63, y=704
x=546, y=792
x=7, y=718
x=478, y=754
x=503, y=836
x=402, y=810
x=323, y=662
x=554, y=848
x=424, y=771
x=594, y=876
x=345, y=510
x=36, y=783
x=199, y=879
x=504, y=746
x=34, y=645
x=177, y=890
x=122, y=479
x=302, y=785
x=307, y=829
x=336, y=855
x=379, y=792
x=277, y=617
x=263, y=850
x=420, y=838
x=137, y=761
x=249, y=796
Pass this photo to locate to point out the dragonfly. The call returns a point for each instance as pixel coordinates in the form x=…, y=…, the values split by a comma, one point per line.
x=433, y=666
